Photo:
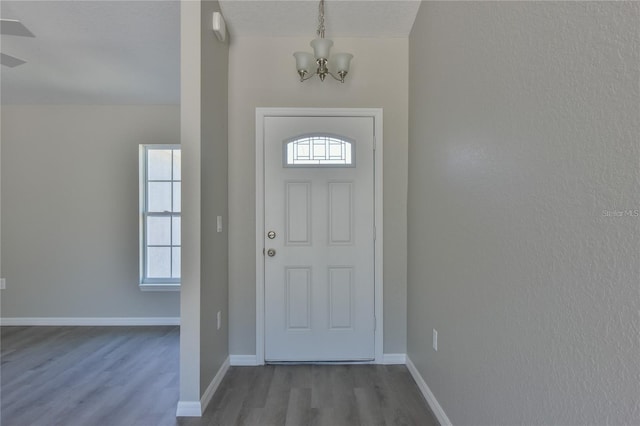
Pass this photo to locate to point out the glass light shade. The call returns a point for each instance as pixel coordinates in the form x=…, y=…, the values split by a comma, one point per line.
x=341, y=61
x=321, y=47
x=304, y=61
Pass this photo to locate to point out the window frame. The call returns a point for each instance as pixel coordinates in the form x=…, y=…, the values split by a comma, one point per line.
x=297, y=139
x=145, y=283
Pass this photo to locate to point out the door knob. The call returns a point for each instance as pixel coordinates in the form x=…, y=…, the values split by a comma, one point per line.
x=271, y=252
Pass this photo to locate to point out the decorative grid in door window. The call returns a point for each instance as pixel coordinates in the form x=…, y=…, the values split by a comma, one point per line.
x=319, y=150
x=160, y=199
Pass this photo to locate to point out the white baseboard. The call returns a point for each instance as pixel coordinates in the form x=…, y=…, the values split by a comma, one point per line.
x=243, y=360
x=196, y=408
x=393, y=359
x=82, y=321
x=189, y=409
x=213, y=386
x=428, y=395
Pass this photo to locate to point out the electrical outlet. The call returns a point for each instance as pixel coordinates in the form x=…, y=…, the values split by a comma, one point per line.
x=219, y=320
x=3, y=283
x=435, y=339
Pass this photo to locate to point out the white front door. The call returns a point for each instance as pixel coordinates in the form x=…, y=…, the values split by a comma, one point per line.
x=319, y=238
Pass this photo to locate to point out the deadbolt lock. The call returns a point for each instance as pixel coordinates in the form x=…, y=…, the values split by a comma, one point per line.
x=271, y=235
x=271, y=252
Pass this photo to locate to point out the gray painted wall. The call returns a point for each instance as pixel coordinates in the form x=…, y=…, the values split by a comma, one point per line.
x=203, y=348
x=214, y=297
x=190, y=134
x=524, y=123
x=70, y=209
x=371, y=84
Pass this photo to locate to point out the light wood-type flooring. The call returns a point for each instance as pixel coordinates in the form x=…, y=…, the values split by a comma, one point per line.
x=122, y=376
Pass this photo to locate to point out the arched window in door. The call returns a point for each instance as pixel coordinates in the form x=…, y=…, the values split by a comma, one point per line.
x=319, y=150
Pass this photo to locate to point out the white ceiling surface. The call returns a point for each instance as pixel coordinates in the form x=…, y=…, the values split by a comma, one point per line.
x=93, y=52
x=128, y=52
x=343, y=18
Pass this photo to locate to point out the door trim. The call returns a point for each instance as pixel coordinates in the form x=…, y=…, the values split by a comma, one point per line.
x=376, y=114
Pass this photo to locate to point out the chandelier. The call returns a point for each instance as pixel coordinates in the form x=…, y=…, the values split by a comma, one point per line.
x=321, y=47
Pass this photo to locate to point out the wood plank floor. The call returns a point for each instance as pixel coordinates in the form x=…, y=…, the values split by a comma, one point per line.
x=89, y=375
x=330, y=395
x=121, y=376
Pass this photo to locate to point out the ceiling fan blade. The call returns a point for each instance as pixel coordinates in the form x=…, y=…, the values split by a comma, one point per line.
x=10, y=61
x=14, y=28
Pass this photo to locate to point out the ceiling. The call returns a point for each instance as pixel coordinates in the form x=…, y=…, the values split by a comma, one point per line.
x=128, y=52
x=343, y=18
x=93, y=52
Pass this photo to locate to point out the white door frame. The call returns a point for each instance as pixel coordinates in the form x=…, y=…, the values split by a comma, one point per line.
x=376, y=114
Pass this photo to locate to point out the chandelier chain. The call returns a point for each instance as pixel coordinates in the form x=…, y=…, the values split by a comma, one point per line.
x=321, y=19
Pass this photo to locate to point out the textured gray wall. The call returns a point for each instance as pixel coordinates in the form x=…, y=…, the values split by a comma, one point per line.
x=70, y=209
x=524, y=124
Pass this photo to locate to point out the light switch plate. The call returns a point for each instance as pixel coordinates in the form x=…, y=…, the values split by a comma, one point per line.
x=3, y=283
x=219, y=223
